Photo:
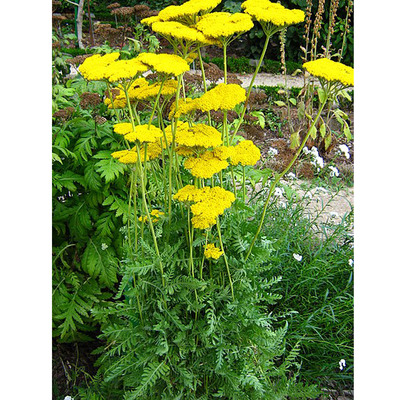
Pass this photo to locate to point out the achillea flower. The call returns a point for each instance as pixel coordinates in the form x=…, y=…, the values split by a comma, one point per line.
x=169, y=64
x=266, y=12
x=223, y=25
x=180, y=31
x=331, y=71
x=199, y=135
x=142, y=133
x=147, y=92
x=224, y=96
x=124, y=69
x=94, y=67
x=149, y=21
x=188, y=9
x=185, y=107
x=209, y=203
x=125, y=156
x=210, y=251
x=155, y=215
x=206, y=165
x=245, y=153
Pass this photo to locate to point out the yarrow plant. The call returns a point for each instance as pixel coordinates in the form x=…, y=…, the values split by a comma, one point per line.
x=191, y=318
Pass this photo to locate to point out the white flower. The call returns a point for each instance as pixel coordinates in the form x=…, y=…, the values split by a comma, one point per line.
x=103, y=247
x=272, y=152
x=305, y=150
x=318, y=162
x=297, y=257
x=351, y=262
x=291, y=175
x=321, y=189
x=334, y=171
x=278, y=192
x=334, y=214
x=282, y=204
x=345, y=150
x=342, y=364
x=68, y=398
x=308, y=195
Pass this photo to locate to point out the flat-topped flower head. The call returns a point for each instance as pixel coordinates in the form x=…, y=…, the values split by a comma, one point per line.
x=125, y=156
x=210, y=251
x=224, y=96
x=273, y=13
x=94, y=67
x=186, y=10
x=206, y=165
x=223, y=25
x=186, y=106
x=124, y=69
x=149, y=21
x=141, y=133
x=199, y=135
x=245, y=153
x=209, y=203
x=177, y=30
x=169, y=64
x=331, y=71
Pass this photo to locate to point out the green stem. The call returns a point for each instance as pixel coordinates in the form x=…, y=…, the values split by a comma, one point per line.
x=225, y=258
x=225, y=45
x=148, y=213
x=279, y=176
x=268, y=35
x=244, y=185
x=156, y=102
x=203, y=74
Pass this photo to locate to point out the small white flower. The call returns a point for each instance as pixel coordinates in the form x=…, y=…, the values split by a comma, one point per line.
x=68, y=398
x=282, y=204
x=351, y=262
x=291, y=175
x=334, y=171
x=305, y=150
x=321, y=189
x=308, y=195
x=345, y=150
x=297, y=257
x=334, y=214
x=104, y=246
x=278, y=192
x=342, y=364
x=272, y=152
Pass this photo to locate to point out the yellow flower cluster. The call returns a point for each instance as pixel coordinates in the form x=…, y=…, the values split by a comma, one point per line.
x=180, y=31
x=274, y=13
x=94, y=67
x=245, y=153
x=169, y=64
x=191, y=7
x=210, y=251
x=206, y=165
x=125, y=156
x=223, y=24
x=155, y=216
x=124, y=69
x=209, y=203
x=222, y=97
x=142, y=133
x=185, y=107
x=199, y=135
x=331, y=71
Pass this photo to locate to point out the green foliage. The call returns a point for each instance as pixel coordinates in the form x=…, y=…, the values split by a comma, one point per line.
x=235, y=64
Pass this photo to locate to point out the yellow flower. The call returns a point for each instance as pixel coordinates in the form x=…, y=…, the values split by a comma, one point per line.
x=199, y=135
x=185, y=107
x=149, y=91
x=210, y=251
x=94, y=67
x=180, y=31
x=124, y=69
x=190, y=8
x=149, y=21
x=125, y=156
x=222, y=97
x=142, y=133
x=332, y=71
x=224, y=25
x=155, y=215
x=169, y=64
x=209, y=203
x=206, y=165
x=266, y=12
x=245, y=153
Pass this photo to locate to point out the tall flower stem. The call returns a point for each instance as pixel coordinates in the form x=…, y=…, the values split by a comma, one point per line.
x=112, y=102
x=203, y=74
x=225, y=45
x=146, y=208
x=156, y=102
x=268, y=35
x=279, y=176
x=225, y=258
